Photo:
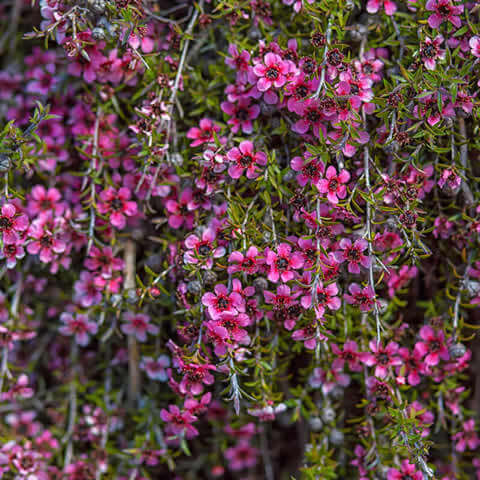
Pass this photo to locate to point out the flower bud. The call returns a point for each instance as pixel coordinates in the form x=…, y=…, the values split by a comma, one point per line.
x=457, y=350
x=328, y=415
x=209, y=277
x=260, y=284
x=315, y=423
x=194, y=287
x=336, y=437
x=5, y=163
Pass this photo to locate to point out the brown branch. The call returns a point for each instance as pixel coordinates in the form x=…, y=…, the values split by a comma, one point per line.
x=133, y=351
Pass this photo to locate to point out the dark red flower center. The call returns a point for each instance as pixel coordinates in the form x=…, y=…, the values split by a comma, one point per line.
x=5, y=223
x=282, y=263
x=272, y=73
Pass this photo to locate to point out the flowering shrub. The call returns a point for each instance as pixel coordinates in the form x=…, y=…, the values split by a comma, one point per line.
x=240, y=239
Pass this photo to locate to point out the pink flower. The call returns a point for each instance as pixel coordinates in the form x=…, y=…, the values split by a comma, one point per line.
x=103, y=261
x=283, y=263
x=248, y=263
x=203, y=250
x=374, y=5
x=382, y=357
x=349, y=354
x=475, y=46
x=411, y=367
x=79, y=326
x=468, y=438
x=86, y=292
x=308, y=335
x=362, y=298
x=334, y=185
x=241, y=456
x=138, y=325
x=432, y=346
x=273, y=73
x=194, y=376
x=311, y=169
x=12, y=252
x=244, y=157
x=430, y=51
x=204, y=134
x=444, y=10
x=11, y=223
x=181, y=211
x=353, y=254
x=242, y=114
x=233, y=325
x=407, y=470
x=156, y=368
x=222, y=302
x=45, y=240
x=117, y=204
x=43, y=200
x=179, y=422
x=325, y=296
x=19, y=389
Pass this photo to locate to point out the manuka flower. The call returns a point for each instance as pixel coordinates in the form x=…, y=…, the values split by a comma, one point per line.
x=79, y=326
x=283, y=263
x=334, y=185
x=244, y=158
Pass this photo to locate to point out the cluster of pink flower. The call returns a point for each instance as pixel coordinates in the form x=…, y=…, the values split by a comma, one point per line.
x=296, y=220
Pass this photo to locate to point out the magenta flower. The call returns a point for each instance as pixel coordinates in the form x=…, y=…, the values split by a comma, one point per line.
x=349, y=354
x=244, y=157
x=373, y=6
x=362, y=298
x=203, y=250
x=86, y=292
x=19, y=389
x=156, y=368
x=204, y=134
x=11, y=223
x=79, y=326
x=222, y=302
x=238, y=61
x=233, y=324
x=241, y=456
x=273, y=73
x=411, y=367
x=474, y=43
x=43, y=200
x=283, y=263
x=103, y=261
x=138, y=325
x=325, y=296
x=353, y=254
x=334, y=185
x=308, y=335
x=179, y=422
x=194, y=377
x=117, y=205
x=432, y=346
x=430, y=51
x=311, y=169
x=12, y=252
x=181, y=211
x=444, y=10
x=248, y=263
x=407, y=470
x=45, y=240
x=468, y=438
x=382, y=357
x=242, y=114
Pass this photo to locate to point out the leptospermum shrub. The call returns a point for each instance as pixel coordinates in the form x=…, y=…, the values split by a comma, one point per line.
x=239, y=239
